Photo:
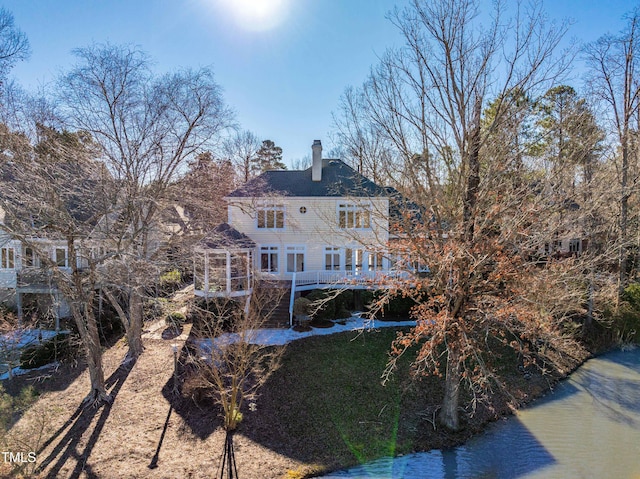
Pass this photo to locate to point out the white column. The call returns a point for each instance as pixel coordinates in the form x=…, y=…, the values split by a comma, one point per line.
x=206, y=274
x=248, y=287
x=19, y=307
x=56, y=309
x=228, y=272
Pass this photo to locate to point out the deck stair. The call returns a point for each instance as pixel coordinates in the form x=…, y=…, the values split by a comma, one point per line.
x=277, y=295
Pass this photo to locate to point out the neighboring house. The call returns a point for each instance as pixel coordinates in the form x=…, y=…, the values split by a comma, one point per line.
x=21, y=273
x=562, y=248
x=572, y=240
x=326, y=226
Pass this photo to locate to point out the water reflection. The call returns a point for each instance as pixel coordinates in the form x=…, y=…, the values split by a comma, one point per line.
x=480, y=458
x=588, y=428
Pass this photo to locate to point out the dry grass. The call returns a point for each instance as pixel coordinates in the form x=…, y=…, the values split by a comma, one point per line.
x=120, y=441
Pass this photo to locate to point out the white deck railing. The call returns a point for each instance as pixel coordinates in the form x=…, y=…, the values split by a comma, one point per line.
x=306, y=280
x=345, y=278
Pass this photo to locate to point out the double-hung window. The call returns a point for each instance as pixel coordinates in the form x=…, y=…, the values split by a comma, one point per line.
x=375, y=261
x=7, y=258
x=353, y=259
x=269, y=259
x=61, y=257
x=354, y=216
x=29, y=257
x=295, y=259
x=270, y=216
x=574, y=246
x=331, y=258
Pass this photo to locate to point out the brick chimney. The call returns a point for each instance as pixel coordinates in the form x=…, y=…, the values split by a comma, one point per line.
x=316, y=166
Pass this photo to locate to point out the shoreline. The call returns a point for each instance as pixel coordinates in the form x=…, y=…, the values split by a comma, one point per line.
x=268, y=444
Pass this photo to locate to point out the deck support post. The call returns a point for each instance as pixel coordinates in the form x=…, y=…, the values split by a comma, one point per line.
x=19, y=307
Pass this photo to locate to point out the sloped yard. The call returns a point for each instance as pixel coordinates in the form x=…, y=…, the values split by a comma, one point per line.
x=324, y=408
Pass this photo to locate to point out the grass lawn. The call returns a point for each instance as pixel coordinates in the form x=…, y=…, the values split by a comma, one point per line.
x=326, y=405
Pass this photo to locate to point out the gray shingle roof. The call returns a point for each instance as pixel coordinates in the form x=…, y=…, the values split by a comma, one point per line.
x=338, y=179
x=226, y=236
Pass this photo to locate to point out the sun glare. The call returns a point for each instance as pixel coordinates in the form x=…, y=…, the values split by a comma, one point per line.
x=257, y=15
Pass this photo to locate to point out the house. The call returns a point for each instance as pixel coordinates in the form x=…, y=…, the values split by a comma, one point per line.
x=21, y=273
x=323, y=227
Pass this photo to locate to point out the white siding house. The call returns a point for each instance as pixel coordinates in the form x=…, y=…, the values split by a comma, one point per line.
x=327, y=226
x=21, y=273
x=303, y=234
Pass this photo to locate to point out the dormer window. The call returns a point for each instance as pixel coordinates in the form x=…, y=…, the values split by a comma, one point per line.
x=271, y=217
x=354, y=216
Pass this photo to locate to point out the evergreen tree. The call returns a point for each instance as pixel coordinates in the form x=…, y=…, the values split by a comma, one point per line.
x=269, y=157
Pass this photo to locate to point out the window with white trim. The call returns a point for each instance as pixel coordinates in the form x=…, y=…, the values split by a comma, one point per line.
x=354, y=216
x=270, y=216
x=61, y=257
x=574, y=246
x=28, y=257
x=353, y=259
x=375, y=261
x=7, y=258
x=295, y=259
x=331, y=258
x=269, y=259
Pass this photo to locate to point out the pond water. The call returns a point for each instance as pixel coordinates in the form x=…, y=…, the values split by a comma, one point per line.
x=589, y=427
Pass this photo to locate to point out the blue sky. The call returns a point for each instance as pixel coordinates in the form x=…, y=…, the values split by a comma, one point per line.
x=282, y=73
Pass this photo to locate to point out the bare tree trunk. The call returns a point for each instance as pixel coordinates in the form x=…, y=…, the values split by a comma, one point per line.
x=449, y=413
x=88, y=330
x=132, y=322
x=473, y=180
x=624, y=214
x=98, y=394
x=82, y=310
x=134, y=331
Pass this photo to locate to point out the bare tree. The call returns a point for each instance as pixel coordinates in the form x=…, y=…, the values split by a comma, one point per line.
x=148, y=127
x=363, y=145
x=242, y=149
x=231, y=365
x=302, y=163
x=479, y=233
x=58, y=192
x=14, y=45
x=614, y=80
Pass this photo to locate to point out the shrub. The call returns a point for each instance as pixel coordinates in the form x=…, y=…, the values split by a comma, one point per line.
x=344, y=304
x=331, y=306
x=622, y=326
x=214, y=310
x=632, y=296
x=367, y=298
x=301, y=306
x=58, y=348
x=323, y=308
x=175, y=319
x=170, y=282
x=399, y=307
x=171, y=277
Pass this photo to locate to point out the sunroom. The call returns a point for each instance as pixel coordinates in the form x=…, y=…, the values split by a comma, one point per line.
x=223, y=264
